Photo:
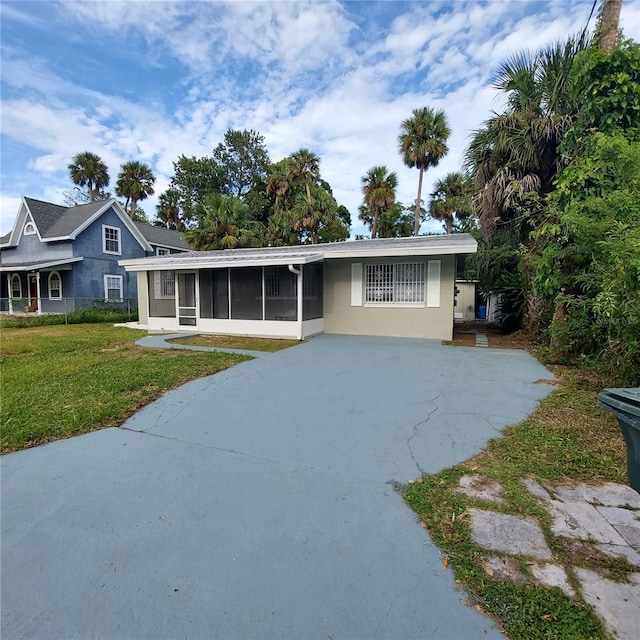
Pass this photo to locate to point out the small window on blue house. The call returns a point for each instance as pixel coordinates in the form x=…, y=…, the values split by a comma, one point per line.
x=29, y=229
x=16, y=286
x=55, y=285
x=162, y=251
x=111, y=240
x=113, y=288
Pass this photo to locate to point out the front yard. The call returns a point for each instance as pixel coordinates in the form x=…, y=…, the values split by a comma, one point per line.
x=61, y=381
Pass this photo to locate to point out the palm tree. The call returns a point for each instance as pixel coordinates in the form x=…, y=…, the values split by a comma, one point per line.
x=168, y=210
x=303, y=166
x=451, y=199
x=515, y=158
x=135, y=183
x=423, y=143
x=379, y=189
x=88, y=169
x=224, y=222
x=312, y=210
x=278, y=182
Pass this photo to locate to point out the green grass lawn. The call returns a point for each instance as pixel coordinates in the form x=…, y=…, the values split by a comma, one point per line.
x=60, y=381
x=567, y=439
x=239, y=342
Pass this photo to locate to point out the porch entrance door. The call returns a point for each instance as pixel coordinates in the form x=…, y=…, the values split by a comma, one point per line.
x=187, y=299
x=33, y=291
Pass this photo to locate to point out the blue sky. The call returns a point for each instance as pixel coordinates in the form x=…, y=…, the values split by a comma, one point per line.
x=149, y=81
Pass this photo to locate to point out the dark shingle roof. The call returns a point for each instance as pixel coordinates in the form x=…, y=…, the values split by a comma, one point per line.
x=162, y=236
x=55, y=221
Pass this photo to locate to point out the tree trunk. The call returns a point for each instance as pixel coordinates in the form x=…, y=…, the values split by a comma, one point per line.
x=449, y=225
x=416, y=229
x=92, y=196
x=374, y=224
x=609, y=21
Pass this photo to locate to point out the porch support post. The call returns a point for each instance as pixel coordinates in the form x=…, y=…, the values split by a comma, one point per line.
x=39, y=310
x=10, y=294
x=300, y=299
x=298, y=273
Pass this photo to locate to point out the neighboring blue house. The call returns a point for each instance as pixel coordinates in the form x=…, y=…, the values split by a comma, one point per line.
x=58, y=258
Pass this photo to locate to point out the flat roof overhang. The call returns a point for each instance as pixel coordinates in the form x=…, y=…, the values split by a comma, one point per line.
x=462, y=243
x=36, y=266
x=164, y=263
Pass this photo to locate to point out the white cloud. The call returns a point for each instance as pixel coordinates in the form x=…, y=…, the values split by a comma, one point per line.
x=333, y=77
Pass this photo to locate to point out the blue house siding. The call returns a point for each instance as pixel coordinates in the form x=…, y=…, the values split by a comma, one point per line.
x=88, y=279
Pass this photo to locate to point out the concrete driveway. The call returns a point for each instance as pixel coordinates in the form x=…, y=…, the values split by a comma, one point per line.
x=259, y=502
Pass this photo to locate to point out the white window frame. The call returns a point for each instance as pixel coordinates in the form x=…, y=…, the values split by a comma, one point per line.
x=164, y=286
x=118, y=239
x=29, y=229
x=49, y=290
x=107, y=277
x=396, y=289
x=162, y=251
x=15, y=277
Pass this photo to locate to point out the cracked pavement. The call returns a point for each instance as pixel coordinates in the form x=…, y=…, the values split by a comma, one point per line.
x=259, y=502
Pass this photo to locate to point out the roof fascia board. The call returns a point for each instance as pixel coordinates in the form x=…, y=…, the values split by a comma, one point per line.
x=37, y=265
x=163, y=245
x=176, y=264
x=408, y=251
x=19, y=224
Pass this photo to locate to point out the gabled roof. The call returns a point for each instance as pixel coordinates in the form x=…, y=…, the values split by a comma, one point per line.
x=55, y=222
x=458, y=243
x=163, y=237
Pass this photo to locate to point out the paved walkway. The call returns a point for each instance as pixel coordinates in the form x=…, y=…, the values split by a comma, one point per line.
x=259, y=502
x=597, y=520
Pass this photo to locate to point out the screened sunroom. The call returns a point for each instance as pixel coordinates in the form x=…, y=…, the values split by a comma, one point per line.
x=263, y=297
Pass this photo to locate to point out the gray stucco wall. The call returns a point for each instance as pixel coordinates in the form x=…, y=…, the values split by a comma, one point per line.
x=423, y=322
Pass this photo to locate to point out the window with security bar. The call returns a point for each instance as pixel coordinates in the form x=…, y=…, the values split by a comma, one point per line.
x=394, y=283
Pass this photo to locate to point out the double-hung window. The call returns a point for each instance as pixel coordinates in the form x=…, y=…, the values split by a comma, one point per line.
x=55, y=286
x=113, y=288
x=400, y=283
x=164, y=285
x=111, y=240
x=16, y=286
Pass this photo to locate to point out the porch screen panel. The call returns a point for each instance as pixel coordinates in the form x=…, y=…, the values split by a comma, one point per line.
x=161, y=287
x=206, y=293
x=313, y=287
x=220, y=284
x=280, y=287
x=246, y=293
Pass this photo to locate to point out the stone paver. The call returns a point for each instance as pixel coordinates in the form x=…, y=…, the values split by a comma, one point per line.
x=618, y=551
x=616, y=603
x=552, y=575
x=582, y=521
x=608, y=494
x=537, y=490
x=612, y=530
x=482, y=488
x=508, y=534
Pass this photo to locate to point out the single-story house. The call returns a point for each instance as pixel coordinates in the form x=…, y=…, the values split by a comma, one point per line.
x=58, y=258
x=387, y=287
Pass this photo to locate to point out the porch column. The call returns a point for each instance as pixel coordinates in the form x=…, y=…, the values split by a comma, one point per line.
x=39, y=310
x=9, y=293
x=300, y=300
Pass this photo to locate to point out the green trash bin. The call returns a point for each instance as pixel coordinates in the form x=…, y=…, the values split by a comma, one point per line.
x=624, y=404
